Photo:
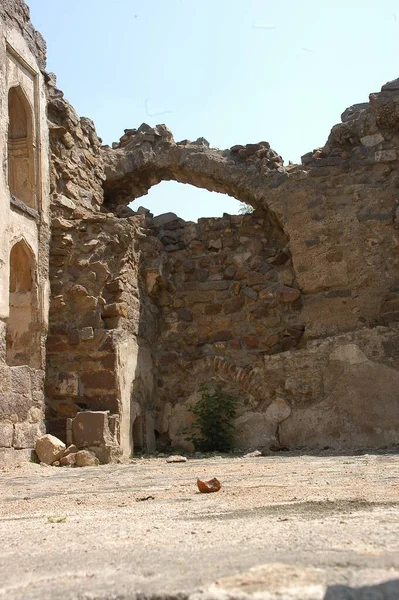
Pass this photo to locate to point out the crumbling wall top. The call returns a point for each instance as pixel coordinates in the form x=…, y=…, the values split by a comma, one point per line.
x=147, y=155
x=15, y=13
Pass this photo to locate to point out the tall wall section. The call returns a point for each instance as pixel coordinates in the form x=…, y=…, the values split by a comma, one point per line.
x=24, y=232
x=95, y=321
x=312, y=352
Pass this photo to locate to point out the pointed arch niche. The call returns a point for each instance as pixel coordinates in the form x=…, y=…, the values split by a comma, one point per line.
x=23, y=346
x=21, y=150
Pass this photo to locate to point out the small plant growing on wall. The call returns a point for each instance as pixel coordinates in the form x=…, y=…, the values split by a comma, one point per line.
x=245, y=209
x=213, y=428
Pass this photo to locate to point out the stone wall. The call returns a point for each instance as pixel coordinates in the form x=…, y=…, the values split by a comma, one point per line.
x=230, y=313
x=76, y=166
x=293, y=308
x=94, y=350
x=24, y=232
x=222, y=287
x=332, y=379
x=261, y=303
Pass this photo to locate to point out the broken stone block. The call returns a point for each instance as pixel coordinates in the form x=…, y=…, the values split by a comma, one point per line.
x=69, y=460
x=90, y=428
x=71, y=449
x=49, y=449
x=86, y=458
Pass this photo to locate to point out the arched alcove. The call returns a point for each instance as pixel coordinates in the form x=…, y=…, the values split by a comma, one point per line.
x=21, y=156
x=22, y=347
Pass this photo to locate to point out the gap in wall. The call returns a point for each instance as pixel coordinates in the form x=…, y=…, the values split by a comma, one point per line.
x=186, y=201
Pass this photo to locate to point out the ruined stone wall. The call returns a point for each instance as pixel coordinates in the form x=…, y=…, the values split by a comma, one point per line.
x=293, y=308
x=76, y=166
x=230, y=312
x=337, y=221
x=223, y=287
x=24, y=232
x=93, y=349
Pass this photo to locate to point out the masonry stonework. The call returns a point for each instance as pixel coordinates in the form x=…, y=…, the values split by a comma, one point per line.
x=293, y=308
x=24, y=233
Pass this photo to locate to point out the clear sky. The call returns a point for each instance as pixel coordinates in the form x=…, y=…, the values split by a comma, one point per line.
x=232, y=71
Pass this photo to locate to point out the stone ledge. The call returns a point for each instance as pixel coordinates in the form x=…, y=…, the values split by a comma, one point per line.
x=23, y=208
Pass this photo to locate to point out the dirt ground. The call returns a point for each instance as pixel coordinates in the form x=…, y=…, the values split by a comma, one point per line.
x=282, y=527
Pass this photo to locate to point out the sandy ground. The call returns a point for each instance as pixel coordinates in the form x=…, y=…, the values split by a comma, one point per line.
x=281, y=527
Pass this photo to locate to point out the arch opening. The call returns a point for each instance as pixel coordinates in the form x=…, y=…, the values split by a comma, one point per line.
x=21, y=157
x=189, y=202
x=137, y=165
x=21, y=343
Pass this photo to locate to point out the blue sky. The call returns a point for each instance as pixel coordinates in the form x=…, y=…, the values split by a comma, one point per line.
x=232, y=71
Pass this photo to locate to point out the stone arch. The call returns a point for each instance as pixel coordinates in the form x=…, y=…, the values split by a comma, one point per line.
x=21, y=155
x=146, y=156
x=22, y=346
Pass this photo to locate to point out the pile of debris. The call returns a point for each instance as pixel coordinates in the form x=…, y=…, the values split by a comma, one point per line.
x=52, y=451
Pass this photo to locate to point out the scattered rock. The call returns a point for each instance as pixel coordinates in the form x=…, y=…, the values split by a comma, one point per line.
x=72, y=449
x=69, y=460
x=86, y=458
x=253, y=454
x=207, y=487
x=176, y=458
x=49, y=449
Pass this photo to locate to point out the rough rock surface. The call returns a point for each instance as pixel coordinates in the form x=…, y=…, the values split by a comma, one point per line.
x=85, y=458
x=49, y=449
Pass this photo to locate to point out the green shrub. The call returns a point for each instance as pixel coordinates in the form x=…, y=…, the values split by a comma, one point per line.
x=213, y=428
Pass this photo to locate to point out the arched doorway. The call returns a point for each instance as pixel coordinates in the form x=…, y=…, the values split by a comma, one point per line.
x=22, y=348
